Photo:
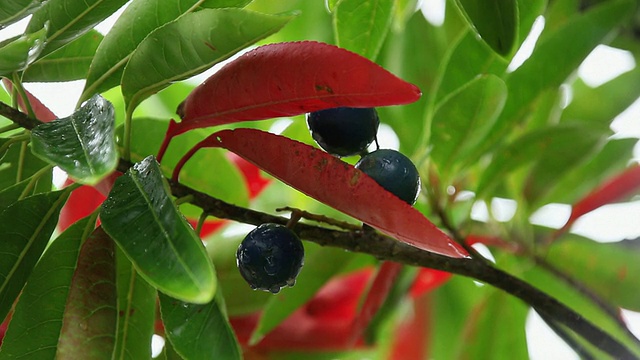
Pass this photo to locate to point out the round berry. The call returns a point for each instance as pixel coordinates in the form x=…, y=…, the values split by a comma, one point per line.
x=394, y=172
x=344, y=131
x=270, y=257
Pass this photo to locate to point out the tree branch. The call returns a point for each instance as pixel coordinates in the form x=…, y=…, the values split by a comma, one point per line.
x=386, y=248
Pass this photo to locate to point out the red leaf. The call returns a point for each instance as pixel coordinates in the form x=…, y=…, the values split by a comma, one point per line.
x=412, y=336
x=617, y=188
x=376, y=296
x=427, y=280
x=82, y=202
x=289, y=79
x=335, y=183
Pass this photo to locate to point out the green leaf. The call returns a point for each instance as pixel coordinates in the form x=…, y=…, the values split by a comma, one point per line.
x=606, y=268
x=331, y=4
x=190, y=45
x=206, y=333
x=215, y=4
x=10, y=166
x=14, y=10
x=506, y=317
x=541, y=145
x=35, y=326
x=463, y=119
x=89, y=322
x=612, y=159
x=68, y=63
x=140, y=216
x=69, y=19
x=136, y=22
x=26, y=226
x=545, y=69
x=467, y=59
x=496, y=21
x=147, y=134
x=83, y=144
x=136, y=312
x=362, y=25
x=12, y=194
x=403, y=11
x=587, y=105
x=314, y=274
x=17, y=53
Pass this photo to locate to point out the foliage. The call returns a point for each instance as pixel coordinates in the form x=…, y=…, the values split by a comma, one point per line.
x=132, y=265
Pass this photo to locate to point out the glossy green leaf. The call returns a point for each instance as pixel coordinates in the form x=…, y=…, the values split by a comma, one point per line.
x=26, y=226
x=69, y=19
x=496, y=21
x=36, y=323
x=10, y=164
x=215, y=4
x=606, y=268
x=528, y=11
x=141, y=217
x=68, y=63
x=506, y=317
x=83, y=144
x=89, y=321
x=362, y=25
x=190, y=45
x=463, y=119
x=17, y=53
x=314, y=274
x=540, y=145
x=15, y=10
x=331, y=4
x=611, y=160
x=147, y=134
x=207, y=333
x=136, y=312
x=137, y=21
x=545, y=69
x=403, y=11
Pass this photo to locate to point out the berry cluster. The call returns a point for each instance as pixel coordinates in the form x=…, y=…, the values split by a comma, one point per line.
x=271, y=256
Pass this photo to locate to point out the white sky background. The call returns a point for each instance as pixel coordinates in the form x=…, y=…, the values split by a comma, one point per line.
x=608, y=224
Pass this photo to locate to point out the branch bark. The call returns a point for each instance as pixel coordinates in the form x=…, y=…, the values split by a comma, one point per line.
x=386, y=248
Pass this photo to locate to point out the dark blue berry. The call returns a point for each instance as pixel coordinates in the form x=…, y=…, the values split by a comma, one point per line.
x=394, y=172
x=344, y=131
x=270, y=257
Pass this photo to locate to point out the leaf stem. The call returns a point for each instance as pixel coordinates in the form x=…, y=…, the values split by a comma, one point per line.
x=200, y=224
x=13, y=140
x=9, y=127
x=126, y=155
x=23, y=154
x=184, y=199
x=17, y=85
x=33, y=180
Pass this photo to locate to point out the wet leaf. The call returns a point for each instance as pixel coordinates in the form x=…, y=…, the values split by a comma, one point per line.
x=19, y=52
x=83, y=144
x=143, y=220
x=337, y=184
x=68, y=63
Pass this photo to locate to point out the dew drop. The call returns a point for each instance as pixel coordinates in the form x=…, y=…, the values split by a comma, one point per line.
x=291, y=282
x=275, y=289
